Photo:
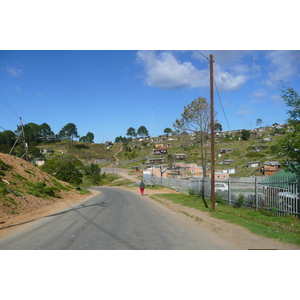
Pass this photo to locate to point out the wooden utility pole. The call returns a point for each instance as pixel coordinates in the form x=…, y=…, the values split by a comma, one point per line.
x=212, y=129
x=25, y=144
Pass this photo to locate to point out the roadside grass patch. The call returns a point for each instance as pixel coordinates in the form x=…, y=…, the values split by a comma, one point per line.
x=60, y=186
x=40, y=189
x=283, y=229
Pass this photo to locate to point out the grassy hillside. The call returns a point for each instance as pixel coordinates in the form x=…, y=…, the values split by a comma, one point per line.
x=87, y=152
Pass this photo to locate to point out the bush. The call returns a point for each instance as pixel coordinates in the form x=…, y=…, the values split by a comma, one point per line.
x=240, y=201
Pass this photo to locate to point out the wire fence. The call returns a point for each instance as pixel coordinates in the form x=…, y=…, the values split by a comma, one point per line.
x=280, y=197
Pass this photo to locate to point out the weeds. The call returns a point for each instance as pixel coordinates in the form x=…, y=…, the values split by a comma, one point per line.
x=40, y=189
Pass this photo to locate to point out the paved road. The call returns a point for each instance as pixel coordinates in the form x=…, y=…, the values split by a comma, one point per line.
x=114, y=219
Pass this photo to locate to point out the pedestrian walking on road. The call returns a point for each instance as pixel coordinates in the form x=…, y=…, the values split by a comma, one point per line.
x=142, y=187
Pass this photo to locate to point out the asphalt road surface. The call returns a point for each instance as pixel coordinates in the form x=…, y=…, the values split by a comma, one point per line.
x=114, y=219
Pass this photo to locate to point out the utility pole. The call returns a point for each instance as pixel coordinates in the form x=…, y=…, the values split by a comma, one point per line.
x=25, y=144
x=212, y=129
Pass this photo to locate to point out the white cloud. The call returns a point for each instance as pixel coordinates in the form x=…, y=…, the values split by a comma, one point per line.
x=283, y=65
x=14, y=71
x=164, y=71
x=245, y=112
x=226, y=81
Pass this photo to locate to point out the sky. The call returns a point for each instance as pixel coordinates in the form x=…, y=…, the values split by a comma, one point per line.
x=107, y=91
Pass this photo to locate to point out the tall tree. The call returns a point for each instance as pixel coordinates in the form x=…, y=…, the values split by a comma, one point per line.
x=218, y=127
x=69, y=132
x=45, y=131
x=259, y=122
x=168, y=130
x=245, y=135
x=290, y=144
x=131, y=132
x=196, y=119
x=88, y=138
x=142, y=131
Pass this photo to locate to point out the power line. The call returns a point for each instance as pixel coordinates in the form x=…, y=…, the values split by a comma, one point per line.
x=225, y=116
x=3, y=128
x=8, y=106
x=8, y=118
x=202, y=54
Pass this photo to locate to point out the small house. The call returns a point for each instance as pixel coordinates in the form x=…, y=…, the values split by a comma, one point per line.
x=180, y=156
x=221, y=176
x=270, y=167
x=228, y=161
x=155, y=160
x=226, y=150
x=253, y=164
x=160, y=151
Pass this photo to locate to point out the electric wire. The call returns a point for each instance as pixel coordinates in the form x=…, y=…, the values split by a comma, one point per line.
x=8, y=106
x=202, y=54
x=225, y=115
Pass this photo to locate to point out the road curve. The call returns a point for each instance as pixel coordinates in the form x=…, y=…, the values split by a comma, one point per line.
x=115, y=219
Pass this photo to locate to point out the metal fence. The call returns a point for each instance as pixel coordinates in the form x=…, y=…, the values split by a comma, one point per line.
x=280, y=197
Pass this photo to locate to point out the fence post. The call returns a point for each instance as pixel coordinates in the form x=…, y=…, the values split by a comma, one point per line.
x=229, y=191
x=256, y=193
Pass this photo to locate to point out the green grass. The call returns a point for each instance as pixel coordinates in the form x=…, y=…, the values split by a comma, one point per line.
x=84, y=192
x=283, y=229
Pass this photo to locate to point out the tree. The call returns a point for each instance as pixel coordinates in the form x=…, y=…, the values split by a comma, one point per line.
x=131, y=132
x=92, y=172
x=69, y=132
x=142, y=131
x=245, y=135
x=196, y=119
x=88, y=138
x=259, y=122
x=65, y=167
x=120, y=139
x=7, y=137
x=218, y=127
x=289, y=146
x=45, y=131
x=168, y=130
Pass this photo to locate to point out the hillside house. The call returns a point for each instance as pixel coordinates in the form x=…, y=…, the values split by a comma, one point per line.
x=159, y=145
x=268, y=139
x=180, y=156
x=270, y=167
x=226, y=150
x=160, y=151
x=155, y=160
x=252, y=164
x=228, y=161
x=221, y=176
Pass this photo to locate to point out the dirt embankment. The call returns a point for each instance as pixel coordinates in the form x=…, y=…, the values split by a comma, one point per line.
x=26, y=193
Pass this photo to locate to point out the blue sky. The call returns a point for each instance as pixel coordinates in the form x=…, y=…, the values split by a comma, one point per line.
x=106, y=92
